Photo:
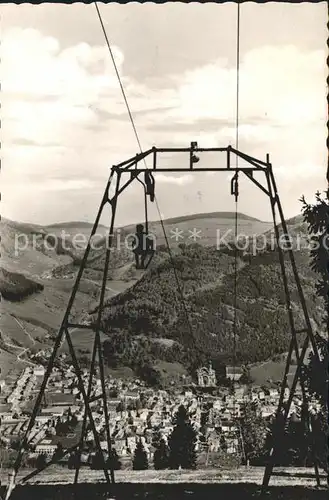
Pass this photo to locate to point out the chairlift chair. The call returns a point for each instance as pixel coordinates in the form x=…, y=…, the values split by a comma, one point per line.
x=144, y=244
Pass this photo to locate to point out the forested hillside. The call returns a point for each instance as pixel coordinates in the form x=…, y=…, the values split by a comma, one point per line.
x=203, y=322
x=16, y=287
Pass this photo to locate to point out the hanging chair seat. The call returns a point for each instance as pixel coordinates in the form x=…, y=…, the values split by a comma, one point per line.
x=144, y=248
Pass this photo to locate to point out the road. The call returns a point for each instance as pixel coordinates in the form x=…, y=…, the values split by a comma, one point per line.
x=22, y=353
x=23, y=350
x=108, y=288
x=24, y=330
x=19, y=357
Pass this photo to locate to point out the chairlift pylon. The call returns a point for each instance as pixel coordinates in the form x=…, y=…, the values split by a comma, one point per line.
x=117, y=175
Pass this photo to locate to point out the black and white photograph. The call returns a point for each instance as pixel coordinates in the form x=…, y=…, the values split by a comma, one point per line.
x=164, y=254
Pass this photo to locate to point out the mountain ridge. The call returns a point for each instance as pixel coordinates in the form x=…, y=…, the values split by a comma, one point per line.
x=168, y=220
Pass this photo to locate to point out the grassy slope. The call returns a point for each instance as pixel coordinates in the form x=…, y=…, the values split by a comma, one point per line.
x=211, y=226
x=8, y=362
x=176, y=484
x=27, y=271
x=80, y=230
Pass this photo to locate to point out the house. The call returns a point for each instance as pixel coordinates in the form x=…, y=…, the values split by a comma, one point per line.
x=39, y=371
x=45, y=447
x=54, y=411
x=143, y=415
x=217, y=404
x=233, y=445
x=121, y=447
x=41, y=419
x=239, y=393
x=60, y=399
x=5, y=417
x=155, y=419
x=113, y=402
x=213, y=441
x=233, y=372
x=268, y=411
x=150, y=449
x=273, y=393
x=131, y=396
x=4, y=408
x=131, y=443
x=12, y=397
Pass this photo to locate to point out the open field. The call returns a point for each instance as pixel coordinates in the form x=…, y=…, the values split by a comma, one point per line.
x=243, y=484
x=61, y=475
x=8, y=363
x=209, y=229
x=262, y=373
x=42, y=314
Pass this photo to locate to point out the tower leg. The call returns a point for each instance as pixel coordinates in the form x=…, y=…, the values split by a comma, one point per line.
x=62, y=334
x=85, y=416
x=283, y=410
x=97, y=348
x=88, y=409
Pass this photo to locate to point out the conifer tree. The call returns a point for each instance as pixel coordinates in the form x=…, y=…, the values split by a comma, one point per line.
x=140, y=461
x=161, y=455
x=58, y=452
x=41, y=461
x=316, y=375
x=156, y=438
x=246, y=377
x=73, y=460
x=113, y=461
x=254, y=431
x=182, y=442
x=96, y=461
x=223, y=444
x=296, y=450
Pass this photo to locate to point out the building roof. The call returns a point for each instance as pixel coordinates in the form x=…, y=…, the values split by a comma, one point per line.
x=234, y=370
x=49, y=410
x=59, y=398
x=5, y=408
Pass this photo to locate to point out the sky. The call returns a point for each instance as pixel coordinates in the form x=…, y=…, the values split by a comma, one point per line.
x=64, y=121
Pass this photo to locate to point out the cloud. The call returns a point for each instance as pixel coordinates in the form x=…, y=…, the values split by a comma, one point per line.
x=79, y=73
x=202, y=124
x=251, y=133
x=280, y=83
x=58, y=185
x=300, y=172
x=21, y=141
x=34, y=67
x=169, y=179
x=64, y=119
